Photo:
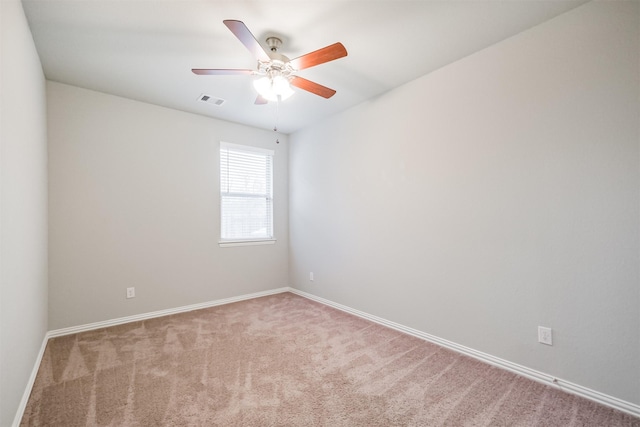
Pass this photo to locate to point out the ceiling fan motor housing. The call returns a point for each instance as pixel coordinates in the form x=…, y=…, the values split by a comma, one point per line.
x=274, y=43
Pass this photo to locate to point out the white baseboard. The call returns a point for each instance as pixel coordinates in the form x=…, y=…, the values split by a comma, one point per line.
x=601, y=398
x=160, y=313
x=569, y=387
x=120, y=321
x=32, y=379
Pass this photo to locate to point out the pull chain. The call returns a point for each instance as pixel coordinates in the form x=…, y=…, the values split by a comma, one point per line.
x=275, y=126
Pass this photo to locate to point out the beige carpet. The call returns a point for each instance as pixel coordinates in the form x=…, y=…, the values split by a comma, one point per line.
x=283, y=360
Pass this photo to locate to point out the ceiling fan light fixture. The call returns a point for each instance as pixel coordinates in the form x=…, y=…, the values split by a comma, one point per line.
x=276, y=88
x=277, y=72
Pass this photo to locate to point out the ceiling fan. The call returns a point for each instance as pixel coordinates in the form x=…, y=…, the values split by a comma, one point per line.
x=277, y=71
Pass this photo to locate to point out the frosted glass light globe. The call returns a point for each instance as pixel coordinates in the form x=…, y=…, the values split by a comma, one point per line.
x=271, y=89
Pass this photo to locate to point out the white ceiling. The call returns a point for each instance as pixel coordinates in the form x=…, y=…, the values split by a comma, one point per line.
x=144, y=49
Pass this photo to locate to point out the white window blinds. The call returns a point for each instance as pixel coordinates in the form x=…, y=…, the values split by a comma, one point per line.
x=246, y=193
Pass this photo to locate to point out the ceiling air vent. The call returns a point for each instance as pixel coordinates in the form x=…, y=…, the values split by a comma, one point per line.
x=212, y=100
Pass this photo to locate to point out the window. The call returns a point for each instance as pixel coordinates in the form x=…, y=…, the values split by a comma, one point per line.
x=246, y=194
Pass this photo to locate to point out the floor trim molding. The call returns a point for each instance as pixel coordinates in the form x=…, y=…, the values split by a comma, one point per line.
x=120, y=321
x=567, y=386
x=160, y=313
x=32, y=379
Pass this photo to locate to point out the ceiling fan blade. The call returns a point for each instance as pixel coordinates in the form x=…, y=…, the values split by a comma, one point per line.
x=320, y=56
x=260, y=100
x=244, y=35
x=312, y=87
x=219, y=71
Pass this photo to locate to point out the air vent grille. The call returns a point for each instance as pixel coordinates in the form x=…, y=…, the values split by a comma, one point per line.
x=211, y=100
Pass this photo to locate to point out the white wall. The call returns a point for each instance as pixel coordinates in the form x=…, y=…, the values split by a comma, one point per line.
x=23, y=208
x=134, y=201
x=492, y=196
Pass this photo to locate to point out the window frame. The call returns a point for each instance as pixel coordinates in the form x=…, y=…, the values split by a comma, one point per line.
x=229, y=242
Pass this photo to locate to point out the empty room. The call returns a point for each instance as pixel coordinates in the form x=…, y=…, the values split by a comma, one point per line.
x=320, y=213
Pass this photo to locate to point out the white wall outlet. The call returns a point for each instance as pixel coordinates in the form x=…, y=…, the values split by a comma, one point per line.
x=311, y=276
x=545, y=336
x=131, y=292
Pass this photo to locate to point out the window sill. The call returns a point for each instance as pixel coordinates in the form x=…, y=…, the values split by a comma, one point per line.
x=231, y=243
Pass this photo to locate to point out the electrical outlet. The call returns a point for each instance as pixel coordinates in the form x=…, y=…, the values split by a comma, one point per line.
x=131, y=292
x=311, y=276
x=545, y=335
